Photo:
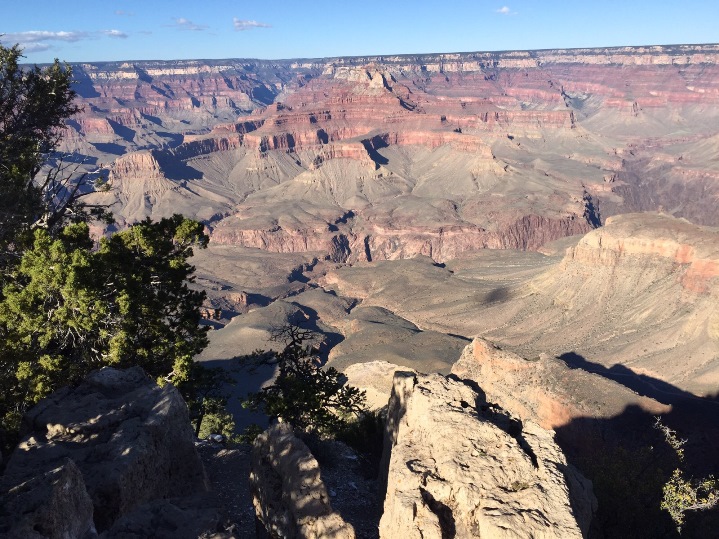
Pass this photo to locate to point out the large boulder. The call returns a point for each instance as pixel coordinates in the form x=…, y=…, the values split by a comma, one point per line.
x=290, y=499
x=54, y=504
x=130, y=439
x=457, y=466
x=375, y=379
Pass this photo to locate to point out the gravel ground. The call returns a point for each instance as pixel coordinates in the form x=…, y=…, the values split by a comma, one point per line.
x=228, y=471
x=352, y=494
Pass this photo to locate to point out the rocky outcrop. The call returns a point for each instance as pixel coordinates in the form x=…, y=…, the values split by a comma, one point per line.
x=660, y=241
x=140, y=165
x=458, y=466
x=53, y=504
x=375, y=378
x=367, y=238
x=443, y=243
x=289, y=496
x=545, y=390
x=334, y=246
x=513, y=140
x=127, y=440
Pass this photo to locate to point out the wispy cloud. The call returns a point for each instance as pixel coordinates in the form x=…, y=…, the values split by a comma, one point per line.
x=242, y=25
x=505, y=10
x=41, y=36
x=41, y=40
x=186, y=24
x=115, y=33
x=31, y=47
x=123, y=13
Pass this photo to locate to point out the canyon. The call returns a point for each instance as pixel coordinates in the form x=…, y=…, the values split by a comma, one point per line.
x=541, y=224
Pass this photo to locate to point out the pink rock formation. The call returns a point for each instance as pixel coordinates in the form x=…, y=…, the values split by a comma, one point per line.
x=545, y=390
x=527, y=146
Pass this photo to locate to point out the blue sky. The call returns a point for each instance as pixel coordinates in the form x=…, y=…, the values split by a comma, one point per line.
x=97, y=30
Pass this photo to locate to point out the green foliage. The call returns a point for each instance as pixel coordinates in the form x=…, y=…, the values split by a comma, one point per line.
x=365, y=434
x=203, y=390
x=682, y=493
x=627, y=479
x=155, y=314
x=68, y=305
x=216, y=420
x=249, y=435
x=69, y=308
x=34, y=106
x=304, y=394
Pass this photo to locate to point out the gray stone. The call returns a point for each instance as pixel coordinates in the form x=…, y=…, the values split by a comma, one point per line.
x=290, y=499
x=131, y=440
x=53, y=505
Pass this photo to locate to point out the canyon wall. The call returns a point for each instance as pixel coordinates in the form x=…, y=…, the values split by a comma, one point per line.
x=438, y=154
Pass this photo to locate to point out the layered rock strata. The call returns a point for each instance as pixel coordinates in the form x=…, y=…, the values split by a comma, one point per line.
x=492, y=150
x=546, y=390
x=458, y=466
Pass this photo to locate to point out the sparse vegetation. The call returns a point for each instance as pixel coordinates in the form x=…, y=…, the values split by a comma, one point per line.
x=682, y=493
x=518, y=486
x=68, y=304
x=312, y=399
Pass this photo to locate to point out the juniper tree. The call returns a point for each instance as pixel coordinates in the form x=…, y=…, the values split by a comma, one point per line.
x=69, y=304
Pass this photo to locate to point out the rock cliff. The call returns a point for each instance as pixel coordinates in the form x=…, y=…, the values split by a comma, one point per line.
x=496, y=150
x=546, y=390
x=459, y=466
x=102, y=458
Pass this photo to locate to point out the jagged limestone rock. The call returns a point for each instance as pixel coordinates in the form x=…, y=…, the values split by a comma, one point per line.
x=456, y=466
x=130, y=439
x=289, y=496
x=53, y=505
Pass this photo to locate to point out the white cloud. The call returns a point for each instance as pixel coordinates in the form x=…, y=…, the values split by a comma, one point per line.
x=122, y=13
x=41, y=36
x=186, y=24
x=505, y=10
x=115, y=33
x=34, y=47
x=41, y=40
x=242, y=25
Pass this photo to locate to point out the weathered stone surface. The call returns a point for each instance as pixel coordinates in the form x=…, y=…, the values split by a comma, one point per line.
x=460, y=467
x=131, y=440
x=545, y=390
x=53, y=505
x=289, y=496
x=375, y=378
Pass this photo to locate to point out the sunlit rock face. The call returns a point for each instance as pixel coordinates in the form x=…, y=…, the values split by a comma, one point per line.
x=458, y=466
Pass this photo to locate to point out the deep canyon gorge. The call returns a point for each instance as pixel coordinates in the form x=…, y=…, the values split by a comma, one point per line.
x=542, y=224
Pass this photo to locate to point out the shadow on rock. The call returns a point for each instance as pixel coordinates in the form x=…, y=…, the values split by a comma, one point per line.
x=629, y=461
